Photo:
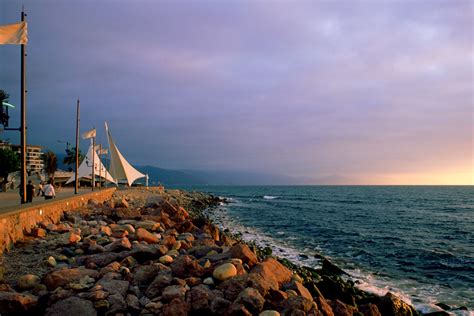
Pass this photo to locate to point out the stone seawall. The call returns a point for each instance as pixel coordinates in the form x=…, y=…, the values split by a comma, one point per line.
x=15, y=224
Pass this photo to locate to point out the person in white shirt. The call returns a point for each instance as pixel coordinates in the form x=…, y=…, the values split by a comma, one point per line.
x=48, y=190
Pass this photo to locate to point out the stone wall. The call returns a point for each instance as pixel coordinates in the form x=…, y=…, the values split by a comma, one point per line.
x=14, y=224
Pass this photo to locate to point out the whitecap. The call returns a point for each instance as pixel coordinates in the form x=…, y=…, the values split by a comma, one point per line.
x=270, y=197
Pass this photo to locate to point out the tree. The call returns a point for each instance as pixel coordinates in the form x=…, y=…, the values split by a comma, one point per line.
x=70, y=158
x=50, y=163
x=9, y=162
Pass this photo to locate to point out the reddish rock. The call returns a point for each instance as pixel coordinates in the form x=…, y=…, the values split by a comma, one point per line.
x=323, y=306
x=145, y=235
x=237, y=309
x=301, y=290
x=296, y=303
x=101, y=259
x=106, y=230
x=369, y=310
x=173, y=291
x=38, y=232
x=342, y=309
x=119, y=233
x=12, y=303
x=168, y=241
x=232, y=287
x=273, y=271
x=185, y=267
x=63, y=277
x=243, y=252
x=156, y=287
x=199, y=298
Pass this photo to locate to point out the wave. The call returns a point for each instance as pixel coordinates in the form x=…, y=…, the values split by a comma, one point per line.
x=270, y=197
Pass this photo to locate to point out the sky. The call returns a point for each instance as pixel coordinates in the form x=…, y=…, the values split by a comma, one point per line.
x=356, y=92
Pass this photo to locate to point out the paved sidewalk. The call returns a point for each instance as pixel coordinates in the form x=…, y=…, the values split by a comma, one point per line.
x=10, y=200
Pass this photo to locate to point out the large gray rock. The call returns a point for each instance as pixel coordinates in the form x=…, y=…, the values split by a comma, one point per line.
x=115, y=286
x=72, y=306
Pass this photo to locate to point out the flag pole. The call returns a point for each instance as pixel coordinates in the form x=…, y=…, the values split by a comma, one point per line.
x=76, y=179
x=100, y=167
x=93, y=162
x=23, y=117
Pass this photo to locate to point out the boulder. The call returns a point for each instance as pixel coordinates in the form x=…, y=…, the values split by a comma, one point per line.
x=232, y=287
x=342, y=309
x=166, y=259
x=162, y=280
x=301, y=290
x=251, y=299
x=269, y=312
x=219, y=306
x=28, y=281
x=224, y=271
x=60, y=278
x=243, y=252
x=177, y=307
x=323, y=306
x=238, y=309
x=115, y=286
x=145, y=235
x=185, y=266
x=119, y=245
x=12, y=303
x=392, y=305
x=173, y=291
x=72, y=306
x=101, y=259
x=273, y=271
x=148, y=225
x=369, y=310
x=199, y=298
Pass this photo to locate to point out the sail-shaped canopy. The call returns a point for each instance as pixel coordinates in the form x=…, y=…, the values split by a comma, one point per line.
x=85, y=169
x=120, y=168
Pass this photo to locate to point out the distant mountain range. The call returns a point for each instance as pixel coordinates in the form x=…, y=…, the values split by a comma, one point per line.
x=222, y=177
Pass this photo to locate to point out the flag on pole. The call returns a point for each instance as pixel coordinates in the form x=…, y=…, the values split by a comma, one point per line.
x=16, y=33
x=103, y=151
x=89, y=134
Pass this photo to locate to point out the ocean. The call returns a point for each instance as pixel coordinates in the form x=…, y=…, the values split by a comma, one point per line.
x=416, y=241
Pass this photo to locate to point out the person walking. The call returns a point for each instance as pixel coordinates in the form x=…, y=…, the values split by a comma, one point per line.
x=48, y=190
x=30, y=192
x=40, y=189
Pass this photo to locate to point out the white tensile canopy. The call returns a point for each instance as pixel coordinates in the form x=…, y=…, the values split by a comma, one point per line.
x=120, y=168
x=85, y=169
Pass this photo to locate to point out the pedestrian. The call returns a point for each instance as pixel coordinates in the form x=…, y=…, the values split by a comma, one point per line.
x=30, y=192
x=40, y=189
x=48, y=190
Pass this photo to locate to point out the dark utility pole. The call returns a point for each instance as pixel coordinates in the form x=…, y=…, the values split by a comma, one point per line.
x=23, y=119
x=76, y=179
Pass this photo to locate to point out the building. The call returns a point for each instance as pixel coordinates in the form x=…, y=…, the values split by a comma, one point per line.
x=34, y=157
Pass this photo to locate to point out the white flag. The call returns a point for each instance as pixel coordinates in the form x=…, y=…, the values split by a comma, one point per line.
x=89, y=134
x=103, y=151
x=16, y=33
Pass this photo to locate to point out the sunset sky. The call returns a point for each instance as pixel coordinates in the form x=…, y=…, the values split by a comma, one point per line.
x=356, y=92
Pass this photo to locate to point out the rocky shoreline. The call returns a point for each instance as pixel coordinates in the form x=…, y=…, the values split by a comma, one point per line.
x=153, y=252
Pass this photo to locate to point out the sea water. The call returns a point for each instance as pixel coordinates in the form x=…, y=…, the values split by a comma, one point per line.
x=416, y=241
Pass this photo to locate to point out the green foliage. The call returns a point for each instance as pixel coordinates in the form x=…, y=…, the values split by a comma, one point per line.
x=70, y=158
x=50, y=163
x=3, y=96
x=9, y=162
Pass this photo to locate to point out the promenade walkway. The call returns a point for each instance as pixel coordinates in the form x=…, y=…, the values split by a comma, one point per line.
x=10, y=200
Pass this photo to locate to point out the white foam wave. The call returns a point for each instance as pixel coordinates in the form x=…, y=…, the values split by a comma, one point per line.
x=270, y=197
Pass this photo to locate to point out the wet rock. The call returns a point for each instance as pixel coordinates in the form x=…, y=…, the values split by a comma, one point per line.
x=145, y=235
x=28, y=281
x=224, y=272
x=392, y=305
x=243, y=252
x=62, y=277
x=72, y=306
x=12, y=303
x=251, y=299
x=185, y=267
x=329, y=268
